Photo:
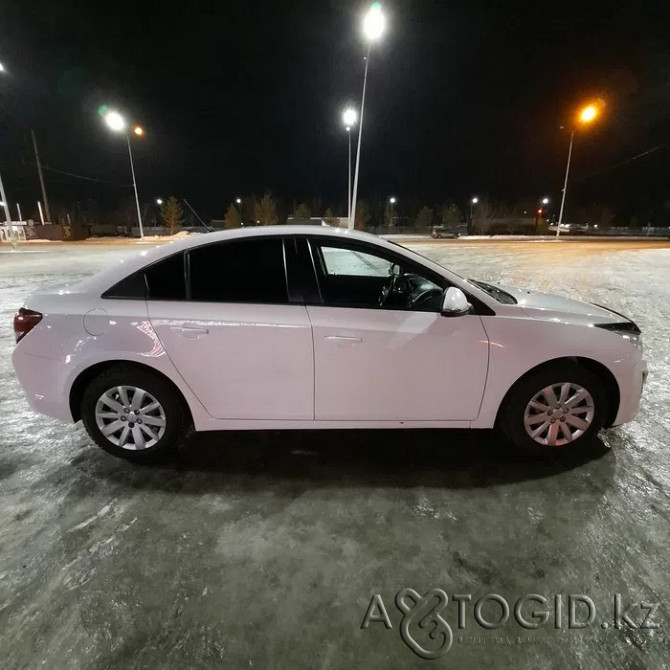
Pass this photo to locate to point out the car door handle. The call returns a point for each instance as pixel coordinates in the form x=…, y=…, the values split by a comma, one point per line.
x=190, y=333
x=343, y=338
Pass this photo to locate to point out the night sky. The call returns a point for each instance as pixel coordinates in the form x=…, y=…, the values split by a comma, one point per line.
x=464, y=98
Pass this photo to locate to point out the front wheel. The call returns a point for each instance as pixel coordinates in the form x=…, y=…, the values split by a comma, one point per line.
x=134, y=414
x=555, y=409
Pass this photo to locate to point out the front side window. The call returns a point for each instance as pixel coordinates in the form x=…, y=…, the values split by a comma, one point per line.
x=249, y=270
x=358, y=276
x=352, y=263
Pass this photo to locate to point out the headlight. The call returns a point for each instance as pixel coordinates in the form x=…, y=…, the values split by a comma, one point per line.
x=627, y=330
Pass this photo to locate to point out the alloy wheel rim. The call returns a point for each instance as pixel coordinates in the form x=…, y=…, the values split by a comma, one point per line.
x=559, y=414
x=130, y=418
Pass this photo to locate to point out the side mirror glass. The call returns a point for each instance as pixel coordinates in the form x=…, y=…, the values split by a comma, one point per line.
x=455, y=303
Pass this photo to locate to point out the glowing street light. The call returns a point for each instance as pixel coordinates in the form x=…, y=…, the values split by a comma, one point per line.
x=588, y=114
x=392, y=201
x=117, y=123
x=473, y=202
x=373, y=27
x=159, y=201
x=349, y=118
x=585, y=116
x=374, y=22
x=545, y=201
x=239, y=209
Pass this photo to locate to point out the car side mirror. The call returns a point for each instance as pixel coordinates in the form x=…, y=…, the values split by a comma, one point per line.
x=455, y=303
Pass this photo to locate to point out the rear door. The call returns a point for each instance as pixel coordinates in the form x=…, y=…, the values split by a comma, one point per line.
x=231, y=331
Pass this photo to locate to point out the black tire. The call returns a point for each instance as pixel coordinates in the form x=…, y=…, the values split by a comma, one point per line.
x=176, y=416
x=511, y=417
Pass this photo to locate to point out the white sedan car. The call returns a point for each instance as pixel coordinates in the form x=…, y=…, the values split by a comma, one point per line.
x=307, y=327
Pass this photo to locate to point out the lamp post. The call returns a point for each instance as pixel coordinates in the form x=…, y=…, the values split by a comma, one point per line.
x=543, y=203
x=349, y=118
x=118, y=124
x=473, y=202
x=4, y=204
x=392, y=201
x=373, y=27
x=586, y=115
x=239, y=208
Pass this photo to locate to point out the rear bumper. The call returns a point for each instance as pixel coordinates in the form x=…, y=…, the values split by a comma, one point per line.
x=41, y=380
x=631, y=385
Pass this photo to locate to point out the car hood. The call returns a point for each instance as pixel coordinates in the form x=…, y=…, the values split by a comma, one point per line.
x=552, y=307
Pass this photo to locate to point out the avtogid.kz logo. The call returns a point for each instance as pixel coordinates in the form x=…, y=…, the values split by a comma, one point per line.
x=425, y=630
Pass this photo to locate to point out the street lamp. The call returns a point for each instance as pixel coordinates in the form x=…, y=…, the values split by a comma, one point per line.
x=159, y=201
x=392, y=201
x=239, y=208
x=586, y=115
x=349, y=118
x=543, y=203
x=473, y=202
x=373, y=27
x=117, y=123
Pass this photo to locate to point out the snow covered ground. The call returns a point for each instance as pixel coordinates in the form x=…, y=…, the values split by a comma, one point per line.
x=263, y=550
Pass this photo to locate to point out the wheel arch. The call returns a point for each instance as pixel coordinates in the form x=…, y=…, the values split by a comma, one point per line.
x=85, y=377
x=593, y=366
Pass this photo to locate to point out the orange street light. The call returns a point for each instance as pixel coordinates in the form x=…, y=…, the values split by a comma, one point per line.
x=138, y=130
x=586, y=115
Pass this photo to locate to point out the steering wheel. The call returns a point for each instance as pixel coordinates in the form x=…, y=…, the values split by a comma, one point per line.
x=424, y=296
x=396, y=285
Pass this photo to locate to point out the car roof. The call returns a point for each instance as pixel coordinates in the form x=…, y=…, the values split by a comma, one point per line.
x=126, y=266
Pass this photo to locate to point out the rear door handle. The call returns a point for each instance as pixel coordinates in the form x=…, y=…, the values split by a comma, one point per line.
x=190, y=333
x=343, y=338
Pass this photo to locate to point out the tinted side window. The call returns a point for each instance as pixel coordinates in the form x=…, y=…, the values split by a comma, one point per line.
x=239, y=271
x=132, y=286
x=165, y=279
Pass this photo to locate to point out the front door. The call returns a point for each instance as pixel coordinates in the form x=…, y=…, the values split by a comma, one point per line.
x=398, y=360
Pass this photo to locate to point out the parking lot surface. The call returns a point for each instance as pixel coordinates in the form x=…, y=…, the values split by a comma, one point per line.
x=265, y=549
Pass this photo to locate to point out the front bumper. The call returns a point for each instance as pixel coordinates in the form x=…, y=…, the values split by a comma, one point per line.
x=631, y=385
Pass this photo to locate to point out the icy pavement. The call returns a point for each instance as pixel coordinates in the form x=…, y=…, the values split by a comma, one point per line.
x=264, y=550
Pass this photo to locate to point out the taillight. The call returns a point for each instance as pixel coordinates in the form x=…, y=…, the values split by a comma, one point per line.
x=24, y=321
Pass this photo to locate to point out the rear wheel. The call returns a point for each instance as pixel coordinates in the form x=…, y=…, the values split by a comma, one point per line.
x=134, y=414
x=556, y=409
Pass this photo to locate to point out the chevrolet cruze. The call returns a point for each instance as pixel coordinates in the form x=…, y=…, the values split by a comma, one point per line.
x=293, y=327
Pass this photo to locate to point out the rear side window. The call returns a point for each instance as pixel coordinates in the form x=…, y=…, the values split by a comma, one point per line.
x=165, y=279
x=239, y=271
x=132, y=288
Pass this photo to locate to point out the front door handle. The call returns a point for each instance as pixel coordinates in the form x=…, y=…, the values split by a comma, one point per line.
x=343, y=338
x=190, y=333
